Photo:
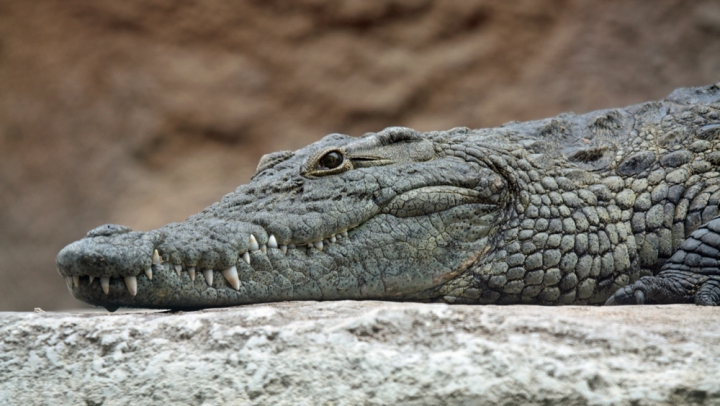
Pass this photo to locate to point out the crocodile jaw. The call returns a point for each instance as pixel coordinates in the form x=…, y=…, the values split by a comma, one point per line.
x=384, y=258
x=388, y=229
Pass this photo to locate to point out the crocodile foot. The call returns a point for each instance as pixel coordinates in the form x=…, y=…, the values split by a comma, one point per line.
x=669, y=287
x=691, y=275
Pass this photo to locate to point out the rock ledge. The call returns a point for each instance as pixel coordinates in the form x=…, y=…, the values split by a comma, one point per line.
x=373, y=353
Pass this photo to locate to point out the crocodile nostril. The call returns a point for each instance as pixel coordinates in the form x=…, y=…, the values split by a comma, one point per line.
x=107, y=230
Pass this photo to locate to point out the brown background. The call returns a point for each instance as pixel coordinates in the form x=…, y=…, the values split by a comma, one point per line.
x=144, y=112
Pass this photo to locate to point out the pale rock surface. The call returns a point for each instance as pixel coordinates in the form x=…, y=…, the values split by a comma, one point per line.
x=372, y=353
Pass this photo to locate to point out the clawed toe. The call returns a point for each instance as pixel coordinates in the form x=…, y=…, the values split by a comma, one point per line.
x=669, y=287
x=628, y=295
x=639, y=297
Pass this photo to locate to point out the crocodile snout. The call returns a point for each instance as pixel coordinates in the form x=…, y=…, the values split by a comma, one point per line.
x=107, y=252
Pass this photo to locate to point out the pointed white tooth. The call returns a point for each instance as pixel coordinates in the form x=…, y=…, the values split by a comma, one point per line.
x=148, y=272
x=231, y=276
x=208, y=273
x=319, y=245
x=332, y=238
x=264, y=249
x=191, y=271
x=105, y=283
x=272, y=242
x=92, y=278
x=246, y=257
x=253, y=243
x=131, y=284
x=344, y=234
x=283, y=248
x=156, y=258
x=178, y=269
x=76, y=281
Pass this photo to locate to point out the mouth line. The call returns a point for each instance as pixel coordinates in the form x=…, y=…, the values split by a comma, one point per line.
x=230, y=274
x=161, y=261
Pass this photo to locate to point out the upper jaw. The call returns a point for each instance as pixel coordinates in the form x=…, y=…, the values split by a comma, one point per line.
x=121, y=261
x=108, y=255
x=211, y=240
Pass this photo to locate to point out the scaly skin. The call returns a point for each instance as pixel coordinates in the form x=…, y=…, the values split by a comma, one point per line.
x=616, y=206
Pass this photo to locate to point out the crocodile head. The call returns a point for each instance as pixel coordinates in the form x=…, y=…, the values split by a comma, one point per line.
x=392, y=215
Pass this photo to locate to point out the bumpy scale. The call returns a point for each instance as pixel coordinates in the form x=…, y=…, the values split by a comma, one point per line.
x=616, y=206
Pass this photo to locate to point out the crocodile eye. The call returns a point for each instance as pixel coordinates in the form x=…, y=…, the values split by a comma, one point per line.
x=331, y=160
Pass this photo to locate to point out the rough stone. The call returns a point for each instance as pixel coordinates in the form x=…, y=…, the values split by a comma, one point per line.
x=371, y=353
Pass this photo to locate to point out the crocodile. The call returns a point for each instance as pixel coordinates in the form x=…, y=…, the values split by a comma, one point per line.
x=617, y=206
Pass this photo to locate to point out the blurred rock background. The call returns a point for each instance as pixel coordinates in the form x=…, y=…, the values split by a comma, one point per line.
x=143, y=112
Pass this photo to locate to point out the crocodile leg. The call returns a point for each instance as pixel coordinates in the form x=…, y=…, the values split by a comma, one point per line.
x=691, y=275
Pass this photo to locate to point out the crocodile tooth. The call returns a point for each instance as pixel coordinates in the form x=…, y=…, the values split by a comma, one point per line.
x=284, y=248
x=105, y=283
x=332, y=238
x=131, y=284
x=156, y=258
x=319, y=245
x=344, y=234
x=76, y=281
x=178, y=269
x=208, y=273
x=191, y=271
x=92, y=278
x=148, y=272
x=264, y=249
x=253, y=243
x=231, y=276
x=272, y=242
x=246, y=257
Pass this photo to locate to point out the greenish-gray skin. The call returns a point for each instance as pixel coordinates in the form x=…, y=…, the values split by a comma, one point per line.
x=615, y=206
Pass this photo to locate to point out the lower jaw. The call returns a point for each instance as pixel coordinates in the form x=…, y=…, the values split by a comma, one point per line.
x=269, y=279
x=315, y=274
x=167, y=290
x=169, y=286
